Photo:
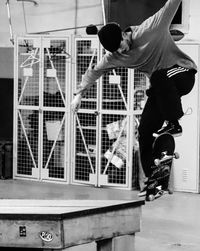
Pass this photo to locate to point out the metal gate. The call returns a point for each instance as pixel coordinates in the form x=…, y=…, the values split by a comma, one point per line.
x=42, y=72
x=85, y=156
x=116, y=136
x=105, y=138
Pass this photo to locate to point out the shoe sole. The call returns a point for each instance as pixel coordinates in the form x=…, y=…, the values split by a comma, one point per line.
x=141, y=194
x=155, y=135
x=177, y=134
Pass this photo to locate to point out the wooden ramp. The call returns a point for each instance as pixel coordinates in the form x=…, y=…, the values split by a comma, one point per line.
x=60, y=224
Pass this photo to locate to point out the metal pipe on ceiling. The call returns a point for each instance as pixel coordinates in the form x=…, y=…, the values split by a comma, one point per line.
x=31, y=1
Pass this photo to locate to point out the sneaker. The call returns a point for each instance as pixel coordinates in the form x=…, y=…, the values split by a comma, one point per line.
x=143, y=192
x=175, y=130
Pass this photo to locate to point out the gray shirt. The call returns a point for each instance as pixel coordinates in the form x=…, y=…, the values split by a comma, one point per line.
x=152, y=48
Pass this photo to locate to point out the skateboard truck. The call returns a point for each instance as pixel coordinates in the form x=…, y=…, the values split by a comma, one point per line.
x=166, y=157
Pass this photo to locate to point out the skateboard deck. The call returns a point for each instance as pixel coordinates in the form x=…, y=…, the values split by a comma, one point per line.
x=163, y=154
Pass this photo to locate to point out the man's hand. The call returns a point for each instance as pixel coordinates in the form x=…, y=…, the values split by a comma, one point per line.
x=76, y=103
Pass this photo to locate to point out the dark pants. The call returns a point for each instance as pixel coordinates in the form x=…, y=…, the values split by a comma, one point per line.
x=163, y=103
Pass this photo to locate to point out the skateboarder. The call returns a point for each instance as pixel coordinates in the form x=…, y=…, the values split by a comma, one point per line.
x=149, y=48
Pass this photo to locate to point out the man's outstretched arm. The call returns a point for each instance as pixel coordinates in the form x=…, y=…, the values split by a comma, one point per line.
x=162, y=19
x=92, y=74
x=168, y=11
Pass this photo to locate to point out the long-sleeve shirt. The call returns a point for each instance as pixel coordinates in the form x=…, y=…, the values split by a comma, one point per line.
x=151, y=48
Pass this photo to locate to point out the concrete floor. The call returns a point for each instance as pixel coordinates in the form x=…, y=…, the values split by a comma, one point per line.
x=171, y=223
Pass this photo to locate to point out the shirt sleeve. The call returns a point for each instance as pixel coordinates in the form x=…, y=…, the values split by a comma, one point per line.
x=163, y=18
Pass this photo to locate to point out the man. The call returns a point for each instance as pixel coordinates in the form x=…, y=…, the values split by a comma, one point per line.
x=149, y=48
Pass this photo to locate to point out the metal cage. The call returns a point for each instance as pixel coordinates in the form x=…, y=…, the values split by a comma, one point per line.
x=42, y=72
x=98, y=145
x=105, y=137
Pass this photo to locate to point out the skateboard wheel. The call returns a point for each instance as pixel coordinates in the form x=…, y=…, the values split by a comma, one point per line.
x=176, y=155
x=170, y=191
x=157, y=162
x=150, y=197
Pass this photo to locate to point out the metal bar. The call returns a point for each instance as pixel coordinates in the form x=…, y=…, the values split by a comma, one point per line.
x=31, y=1
x=63, y=29
x=10, y=22
x=103, y=11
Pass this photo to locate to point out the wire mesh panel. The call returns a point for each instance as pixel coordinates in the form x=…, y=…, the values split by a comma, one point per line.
x=86, y=54
x=114, y=164
x=86, y=125
x=115, y=90
x=54, y=144
x=55, y=71
x=42, y=73
x=85, y=147
x=106, y=136
x=56, y=57
x=29, y=59
x=27, y=137
x=27, y=82
x=140, y=86
x=123, y=92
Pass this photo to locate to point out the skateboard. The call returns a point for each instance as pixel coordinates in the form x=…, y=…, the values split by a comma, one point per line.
x=163, y=154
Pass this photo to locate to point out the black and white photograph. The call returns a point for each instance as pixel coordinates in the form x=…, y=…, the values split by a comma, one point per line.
x=100, y=125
